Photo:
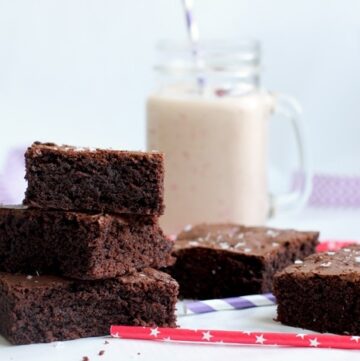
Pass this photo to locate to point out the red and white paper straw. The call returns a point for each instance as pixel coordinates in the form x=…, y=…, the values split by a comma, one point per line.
x=214, y=337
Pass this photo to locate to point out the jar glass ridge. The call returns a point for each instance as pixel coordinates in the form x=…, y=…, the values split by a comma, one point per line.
x=230, y=68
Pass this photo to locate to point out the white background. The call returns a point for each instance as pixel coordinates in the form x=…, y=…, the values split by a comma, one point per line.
x=78, y=71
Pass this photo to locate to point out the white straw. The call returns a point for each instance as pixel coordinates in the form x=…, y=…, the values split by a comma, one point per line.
x=193, y=32
x=192, y=27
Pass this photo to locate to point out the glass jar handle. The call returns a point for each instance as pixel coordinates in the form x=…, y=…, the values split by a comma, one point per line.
x=289, y=108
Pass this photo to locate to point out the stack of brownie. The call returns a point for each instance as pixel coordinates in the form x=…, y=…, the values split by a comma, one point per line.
x=81, y=253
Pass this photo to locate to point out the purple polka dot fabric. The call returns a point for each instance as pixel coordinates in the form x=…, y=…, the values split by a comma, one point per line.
x=332, y=190
x=335, y=191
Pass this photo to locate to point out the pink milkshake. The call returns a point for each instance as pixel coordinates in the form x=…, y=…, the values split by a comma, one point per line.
x=214, y=138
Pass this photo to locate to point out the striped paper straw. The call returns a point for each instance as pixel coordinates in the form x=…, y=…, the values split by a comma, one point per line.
x=193, y=32
x=186, y=308
x=191, y=25
x=221, y=337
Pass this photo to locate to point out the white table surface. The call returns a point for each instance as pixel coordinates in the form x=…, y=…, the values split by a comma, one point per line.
x=339, y=224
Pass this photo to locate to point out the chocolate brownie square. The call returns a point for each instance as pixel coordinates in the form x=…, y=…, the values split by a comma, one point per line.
x=80, y=245
x=322, y=293
x=49, y=308
x=84, y=179
x=224, y=260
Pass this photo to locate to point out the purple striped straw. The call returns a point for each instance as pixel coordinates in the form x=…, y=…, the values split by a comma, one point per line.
x=186, y=308
x=191, y=25
x=193, y=32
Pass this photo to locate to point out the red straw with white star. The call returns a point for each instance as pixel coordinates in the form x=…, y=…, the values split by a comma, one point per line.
x=236, y=337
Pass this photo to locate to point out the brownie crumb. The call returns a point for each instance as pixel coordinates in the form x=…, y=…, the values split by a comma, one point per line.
x=106, y=342
x=101, y=352
x=85, y=358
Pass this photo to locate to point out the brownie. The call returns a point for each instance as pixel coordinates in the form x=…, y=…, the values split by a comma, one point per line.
x=80, y=245
x=322, y=293
x=50, y=308
x=224, y=260
x=85, y=179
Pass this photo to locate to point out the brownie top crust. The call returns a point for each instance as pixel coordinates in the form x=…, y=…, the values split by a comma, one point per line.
x=37, y=148
x=343, y=263
x=19, y=281
x=258, y=241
